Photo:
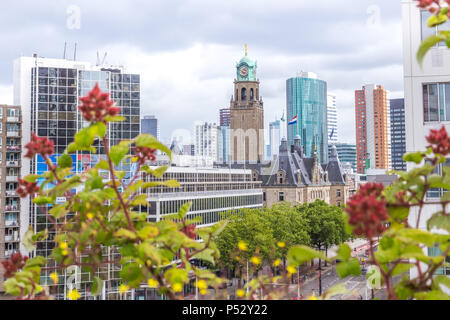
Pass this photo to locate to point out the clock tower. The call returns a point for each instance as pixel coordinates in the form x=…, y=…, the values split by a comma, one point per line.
x=247, y=115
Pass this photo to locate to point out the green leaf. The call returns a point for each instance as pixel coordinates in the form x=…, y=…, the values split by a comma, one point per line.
x=27, y=240
x=347, y=268
x=416, y=236
x=97, y=286
x=415, y=157
x=344, y=252
x=65, y=161
x=125, y=233
x=149, y=141
x=435, y=20
x=184, y=210
x=439, y=221
x=206, y=255
x=432, y=295
x=119, y=151
x=59, y=211
x=43, y=200
x=298, y=255
x=398, y=213
x=336, y=290
x=426, y=45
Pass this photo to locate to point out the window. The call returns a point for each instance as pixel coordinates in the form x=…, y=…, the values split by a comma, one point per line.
x=436, y=102
x=434, y=252
x=281, y=196
x=244, y=94
x=338, y=193
x=264, y=196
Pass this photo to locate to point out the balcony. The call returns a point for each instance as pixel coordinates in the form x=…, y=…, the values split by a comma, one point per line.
x=12, y=208
x=11, y=223
x=13, y=134
x=11, y=193
x=12, y=178
x=12, y=238
x=12, y=119
x=14, y=163
x=8, y=253
x=14, y=148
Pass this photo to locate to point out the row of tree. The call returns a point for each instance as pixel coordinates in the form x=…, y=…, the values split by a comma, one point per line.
x=269, y=232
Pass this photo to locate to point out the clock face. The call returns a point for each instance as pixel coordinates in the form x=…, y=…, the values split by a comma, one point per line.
x=243, y=71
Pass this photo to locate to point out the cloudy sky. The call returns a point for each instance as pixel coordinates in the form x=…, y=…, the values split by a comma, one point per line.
x=186, y=50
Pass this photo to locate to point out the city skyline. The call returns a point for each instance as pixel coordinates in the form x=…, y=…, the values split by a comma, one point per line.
x=190, y=72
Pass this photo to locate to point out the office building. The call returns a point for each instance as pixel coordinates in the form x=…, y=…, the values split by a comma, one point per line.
x=207, y=140
x=274, y=138
x=306, y=97
x=398, y=134
x=150, y=125
x=427, y=99
x=346, y=152
x=225, y=117
x=12, y=223
x=373, y=128
x=332, y=119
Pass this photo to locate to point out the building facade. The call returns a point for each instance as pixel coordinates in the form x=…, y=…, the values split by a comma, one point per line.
x=427, y=98
x=274, y=138
x=346, y=152
x=225, y=117
x=150, y=125
x=373, y=128
x=398, y=134
x=332, y=119
x=306, y=99
x=207, y=140
x=247, y=115
x=48, y=91
x=11, y=220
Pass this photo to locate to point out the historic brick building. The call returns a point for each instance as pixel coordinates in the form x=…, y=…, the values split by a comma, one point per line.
x=247, y=115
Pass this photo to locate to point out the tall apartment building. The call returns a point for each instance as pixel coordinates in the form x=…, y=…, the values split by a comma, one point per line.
x=207, y=140
x=332, y=119
x=150, y=125
x=373, y=128
x=306, y=97
x=274, y=137
x=225, y=117
x=398, y=134
x=12, y=224
x=48, y=91
x=427, y=98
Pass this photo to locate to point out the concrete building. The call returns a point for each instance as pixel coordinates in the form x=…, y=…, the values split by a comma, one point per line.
x=427, y=98
x=247, y=115
x=306, y=99
x=12, y=224
x=150, y=125
x=48, y=91
x=398, y=134
x=373, y=128
x=274, y=138
x=207, y=140
x=332, y=119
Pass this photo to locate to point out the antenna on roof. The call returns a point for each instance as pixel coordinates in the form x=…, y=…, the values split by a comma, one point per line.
x=75, y=53
x=102, y=62
x=65, y=49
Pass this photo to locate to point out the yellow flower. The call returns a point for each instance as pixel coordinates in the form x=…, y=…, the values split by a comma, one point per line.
x=312, y=297
x=54, y=276
x=242, y=246
x=88, y=206
x=277, y=263
x=152, y=283
x=240, y=293
x=90, y=216
x=73, y=295
x=65, y=252
x=256, y=260
x=63, y=245
x=124, y=288
x=291, y=270
x=201, y=284
x=203, y=291
x=177, y=287
x=281, y=244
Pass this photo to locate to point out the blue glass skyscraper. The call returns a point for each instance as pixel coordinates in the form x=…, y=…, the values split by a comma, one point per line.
x=306, y=98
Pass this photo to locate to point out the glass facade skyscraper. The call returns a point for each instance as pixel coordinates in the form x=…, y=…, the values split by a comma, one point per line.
x=306, y=98
x=398, y=136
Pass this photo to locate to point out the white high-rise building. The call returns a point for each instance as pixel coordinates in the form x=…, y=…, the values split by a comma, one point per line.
x=274, y=138
x=427, y=95
x=207, y=140
x=332, y=119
